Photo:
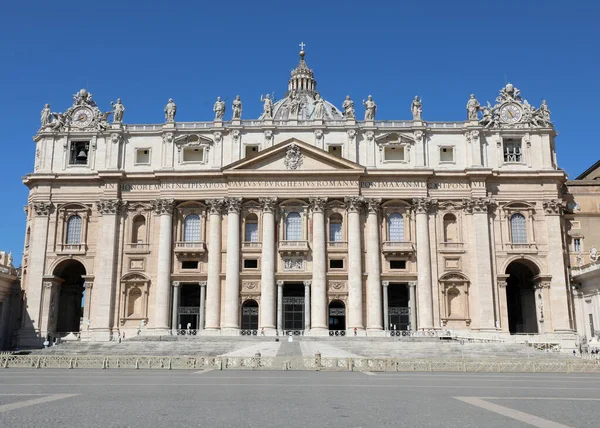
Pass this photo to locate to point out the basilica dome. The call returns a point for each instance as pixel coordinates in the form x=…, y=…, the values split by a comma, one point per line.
x=301, y=99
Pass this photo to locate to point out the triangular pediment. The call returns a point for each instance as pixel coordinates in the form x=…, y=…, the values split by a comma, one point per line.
x=394, y=138
x=292, y=156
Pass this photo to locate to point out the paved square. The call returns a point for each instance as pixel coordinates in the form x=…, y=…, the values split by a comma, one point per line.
x=138, y=398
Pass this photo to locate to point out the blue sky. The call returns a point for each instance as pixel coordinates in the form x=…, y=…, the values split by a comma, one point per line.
x=145, y=52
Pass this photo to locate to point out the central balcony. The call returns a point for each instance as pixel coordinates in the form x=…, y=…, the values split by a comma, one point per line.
x=393, y=248
x=190, y=248
x=71, y=248
x=337, y=246
x=137, y=248
x=293, y=247
x=512, y=248
x=451, y=247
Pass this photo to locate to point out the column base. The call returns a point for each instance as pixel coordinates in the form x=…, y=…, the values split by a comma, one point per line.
x=360, y=332
x=100, y=335
x=230, y=331
x=30, y=339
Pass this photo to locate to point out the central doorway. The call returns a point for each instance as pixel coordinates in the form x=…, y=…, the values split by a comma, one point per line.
x=398, y=309
x=293, y=307
x=189, y=307
x=337, y=315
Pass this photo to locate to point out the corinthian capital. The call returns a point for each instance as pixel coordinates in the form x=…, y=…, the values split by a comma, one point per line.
x=268, y=204
x=215, y=206
x=163, y=206
x=234, y=205
x=373, y=205
x=317, y=204
x=478, y=205
x=109, y=206
x=354, y=203
x=423, y=205
x=42, y=208
x=553, y=207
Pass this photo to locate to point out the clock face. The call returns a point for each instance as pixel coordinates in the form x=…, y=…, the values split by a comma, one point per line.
x=82, y=117
x=510, y=113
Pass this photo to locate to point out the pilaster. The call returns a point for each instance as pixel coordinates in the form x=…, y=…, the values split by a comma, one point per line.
x=175, y=309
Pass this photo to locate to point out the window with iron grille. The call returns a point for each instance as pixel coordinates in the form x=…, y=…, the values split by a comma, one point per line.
x=74, y=225
x=191, y=228
x=396, y=227
x=293, y=227
x=577, y=245
x=518, y=228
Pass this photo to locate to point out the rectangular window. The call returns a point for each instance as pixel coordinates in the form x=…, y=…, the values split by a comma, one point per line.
x=397, y=264
x=142, y=157
x=79, y=153
x=394, y=154
x=251, y=151
x=193, y=154
x=336, y=264
x=251, y=232
x=335, y=231
x=189, y=264
x=250, y=263
x=577, y=245
x=512, y=151
x=575, y=224
x=335, y=151
x=447, y=154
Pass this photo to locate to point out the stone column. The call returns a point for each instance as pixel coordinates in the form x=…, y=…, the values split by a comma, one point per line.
x=559, y=309
x=483, y=267
x=231, y=319
x=31, y=331
x=386, y=309
x=213, y=283
x=502, y=278
x=307, y=306
x=202, y=305
x=279, y=306
x=267, y=273
x=355, y=271
x=421, y=207
x=104, y=306
x=412, y=304
x=319, y=274
x=164, y=209
x=374, y=320
x=175, y=312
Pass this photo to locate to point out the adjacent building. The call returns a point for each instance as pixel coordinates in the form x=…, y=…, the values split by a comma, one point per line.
x=306, y=220
x=582, y=220
x=10, y=301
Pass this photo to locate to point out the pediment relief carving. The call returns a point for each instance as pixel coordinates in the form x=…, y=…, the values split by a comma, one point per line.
x=394, y=138
x=293, y=156
x=192, y=140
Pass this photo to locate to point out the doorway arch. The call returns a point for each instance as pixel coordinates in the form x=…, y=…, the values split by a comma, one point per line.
x=520, y=298
x=70, y=296
x=250, y=315
x=337, y=315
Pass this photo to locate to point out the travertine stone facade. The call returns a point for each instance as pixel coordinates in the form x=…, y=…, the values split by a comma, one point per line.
x=10, y=301
x=305, y=219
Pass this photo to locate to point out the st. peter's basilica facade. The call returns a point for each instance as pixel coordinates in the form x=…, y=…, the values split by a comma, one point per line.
x=305, y=220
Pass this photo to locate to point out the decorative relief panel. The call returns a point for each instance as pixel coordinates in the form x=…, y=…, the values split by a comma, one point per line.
x=293, y=263
x=250, y=286
x=337, y=287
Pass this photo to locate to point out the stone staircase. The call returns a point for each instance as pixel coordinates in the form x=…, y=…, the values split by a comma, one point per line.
x=339, y=347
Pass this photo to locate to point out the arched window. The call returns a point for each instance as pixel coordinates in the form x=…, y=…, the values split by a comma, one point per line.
x=396, y=227
x=74, y=230
x=335, y=228
x=293, y=227
x=450, y=229
x=138, y=230
x=251, y=234
x=191, y=228
x=518, y=229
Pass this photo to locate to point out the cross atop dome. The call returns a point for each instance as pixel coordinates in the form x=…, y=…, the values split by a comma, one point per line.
x=302, y=77
x=302, y=44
